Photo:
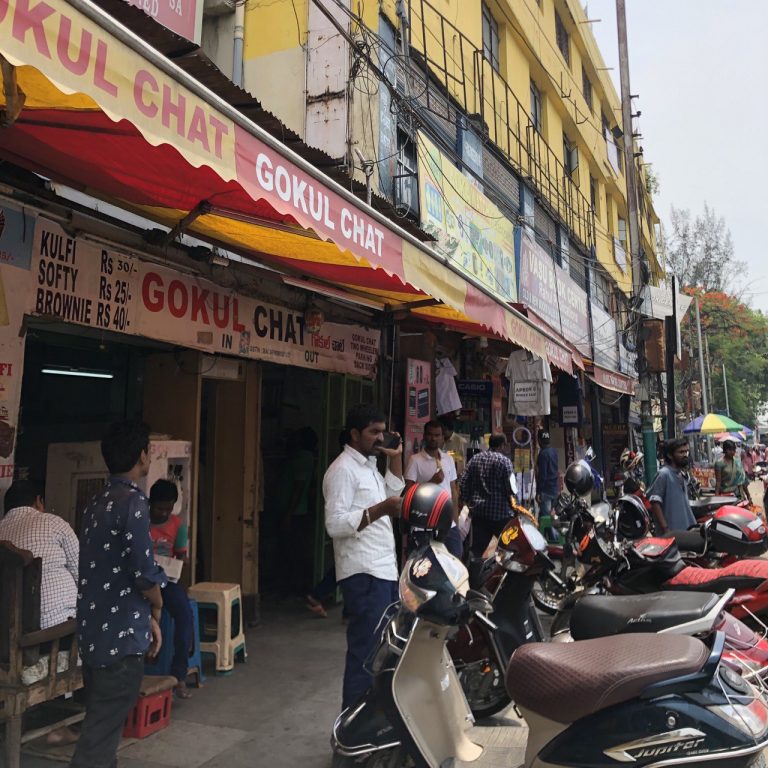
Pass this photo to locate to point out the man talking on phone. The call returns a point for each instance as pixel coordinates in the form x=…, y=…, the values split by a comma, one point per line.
x=360, y=505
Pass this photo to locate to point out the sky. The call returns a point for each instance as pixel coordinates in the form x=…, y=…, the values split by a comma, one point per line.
x=700, y=68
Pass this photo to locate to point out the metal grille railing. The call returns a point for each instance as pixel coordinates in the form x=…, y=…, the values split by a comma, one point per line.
x=452, y=63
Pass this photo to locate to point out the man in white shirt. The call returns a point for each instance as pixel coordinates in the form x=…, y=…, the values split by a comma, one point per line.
x=359, y=507
x=27, y=526
x=432, y=465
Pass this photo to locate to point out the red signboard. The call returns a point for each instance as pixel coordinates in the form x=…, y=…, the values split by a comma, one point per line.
x=614, y=381
x=184, y=17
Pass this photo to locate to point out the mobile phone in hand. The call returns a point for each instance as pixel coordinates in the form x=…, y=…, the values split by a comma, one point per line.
x=391, y=440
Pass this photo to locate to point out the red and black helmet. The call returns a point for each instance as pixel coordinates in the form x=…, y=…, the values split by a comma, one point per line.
x=427, y=508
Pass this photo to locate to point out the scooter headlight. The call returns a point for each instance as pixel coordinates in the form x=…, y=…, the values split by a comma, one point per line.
x=411, y=596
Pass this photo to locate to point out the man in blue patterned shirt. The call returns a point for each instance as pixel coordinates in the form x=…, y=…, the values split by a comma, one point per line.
x=487, y=490
x=119, y=599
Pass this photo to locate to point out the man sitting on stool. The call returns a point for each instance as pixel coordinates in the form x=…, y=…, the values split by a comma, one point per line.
x=169, y=539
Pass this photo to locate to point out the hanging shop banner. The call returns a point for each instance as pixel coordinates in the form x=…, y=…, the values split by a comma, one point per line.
x=75, y=280
x=78, y=281
x=418, y=408
x=616, y=382
x=17, y=230
x=550, y=292
x=202, y=315
x=604, y=339
x=470, y=230
x=184, y=17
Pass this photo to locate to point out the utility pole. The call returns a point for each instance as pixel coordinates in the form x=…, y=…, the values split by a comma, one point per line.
x=671, y=332
x=725, y=386
x=709, y=371
x=704, y=397
x=649, y=437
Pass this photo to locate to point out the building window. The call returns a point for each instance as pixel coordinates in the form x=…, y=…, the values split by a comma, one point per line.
x=586, y=87
x=563, y=40
x=490, y=38
x=594, y=195
x=570, y=156
x=536, y=120
x=609, y=215
x=622, y=232
x=406, y=177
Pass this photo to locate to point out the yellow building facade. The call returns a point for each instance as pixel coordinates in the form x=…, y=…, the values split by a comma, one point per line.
x=529, y=72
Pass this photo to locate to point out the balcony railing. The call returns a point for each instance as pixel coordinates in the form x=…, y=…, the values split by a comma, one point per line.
x=459, y=69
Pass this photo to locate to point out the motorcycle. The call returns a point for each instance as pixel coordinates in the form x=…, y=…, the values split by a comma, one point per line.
x=699, y=614
x=656, y=700
x=481, y=650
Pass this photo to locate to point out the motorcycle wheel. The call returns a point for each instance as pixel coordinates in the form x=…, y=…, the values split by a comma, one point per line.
x=547, y=594
x=483, y=685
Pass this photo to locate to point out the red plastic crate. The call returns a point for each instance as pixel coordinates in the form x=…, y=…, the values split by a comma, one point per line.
x=150, y=714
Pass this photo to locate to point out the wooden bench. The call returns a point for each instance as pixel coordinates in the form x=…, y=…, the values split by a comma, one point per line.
x=23, y=643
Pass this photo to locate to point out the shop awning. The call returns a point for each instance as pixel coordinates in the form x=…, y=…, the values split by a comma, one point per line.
x=616, y=382
x=88, y=103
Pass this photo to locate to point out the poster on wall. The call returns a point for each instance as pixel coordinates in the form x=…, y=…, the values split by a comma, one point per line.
x=418, y=405
x=470, y=230
x=16, y=247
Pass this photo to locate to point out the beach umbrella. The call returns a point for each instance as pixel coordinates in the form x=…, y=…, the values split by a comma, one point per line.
x=713, y=424
x=738, y=437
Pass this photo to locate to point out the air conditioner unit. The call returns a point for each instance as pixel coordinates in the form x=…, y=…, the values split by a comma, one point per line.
x=76, y=472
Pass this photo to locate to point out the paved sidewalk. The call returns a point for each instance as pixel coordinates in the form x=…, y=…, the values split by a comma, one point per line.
x=276, y=710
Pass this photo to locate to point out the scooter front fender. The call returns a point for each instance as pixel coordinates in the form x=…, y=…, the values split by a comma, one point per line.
x=427, y=694
x=363, y=728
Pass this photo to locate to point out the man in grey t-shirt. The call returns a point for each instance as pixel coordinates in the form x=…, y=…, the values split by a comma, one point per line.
x=668, y=493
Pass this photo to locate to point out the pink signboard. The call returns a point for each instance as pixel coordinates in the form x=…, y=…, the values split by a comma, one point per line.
x=184, y=17
x=551, y=293
x=616, y=382
x=266, y=174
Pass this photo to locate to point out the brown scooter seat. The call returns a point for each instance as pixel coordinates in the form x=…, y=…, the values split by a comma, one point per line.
x=567, y=681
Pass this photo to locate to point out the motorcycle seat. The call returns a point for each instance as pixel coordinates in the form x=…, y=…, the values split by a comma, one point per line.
x=567, y=681
x=604, y=615
x=743, y=574
x=711, y=503
x=690, y=541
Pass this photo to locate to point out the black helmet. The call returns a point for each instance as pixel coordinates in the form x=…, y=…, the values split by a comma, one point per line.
x=632, y=518
x=427, y=509
x=578, y=479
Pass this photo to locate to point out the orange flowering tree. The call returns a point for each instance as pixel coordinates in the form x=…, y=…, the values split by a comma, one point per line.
x=735, y=336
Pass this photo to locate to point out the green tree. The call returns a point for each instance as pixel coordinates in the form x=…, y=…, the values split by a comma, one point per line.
x=737, y=336
x=699, y=250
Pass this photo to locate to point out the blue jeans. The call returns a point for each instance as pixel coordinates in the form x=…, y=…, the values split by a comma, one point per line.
x=545, y=503
x=176, y=602
x=365, y=600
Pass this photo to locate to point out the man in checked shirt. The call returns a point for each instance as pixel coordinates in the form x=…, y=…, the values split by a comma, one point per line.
x=486, y=489
x=27, y=526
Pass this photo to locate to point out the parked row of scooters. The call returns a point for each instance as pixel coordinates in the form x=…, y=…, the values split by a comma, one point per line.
x=689, y=690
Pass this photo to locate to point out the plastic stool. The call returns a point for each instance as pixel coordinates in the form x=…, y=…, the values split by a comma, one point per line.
x=152, y=711
x=227, y=641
